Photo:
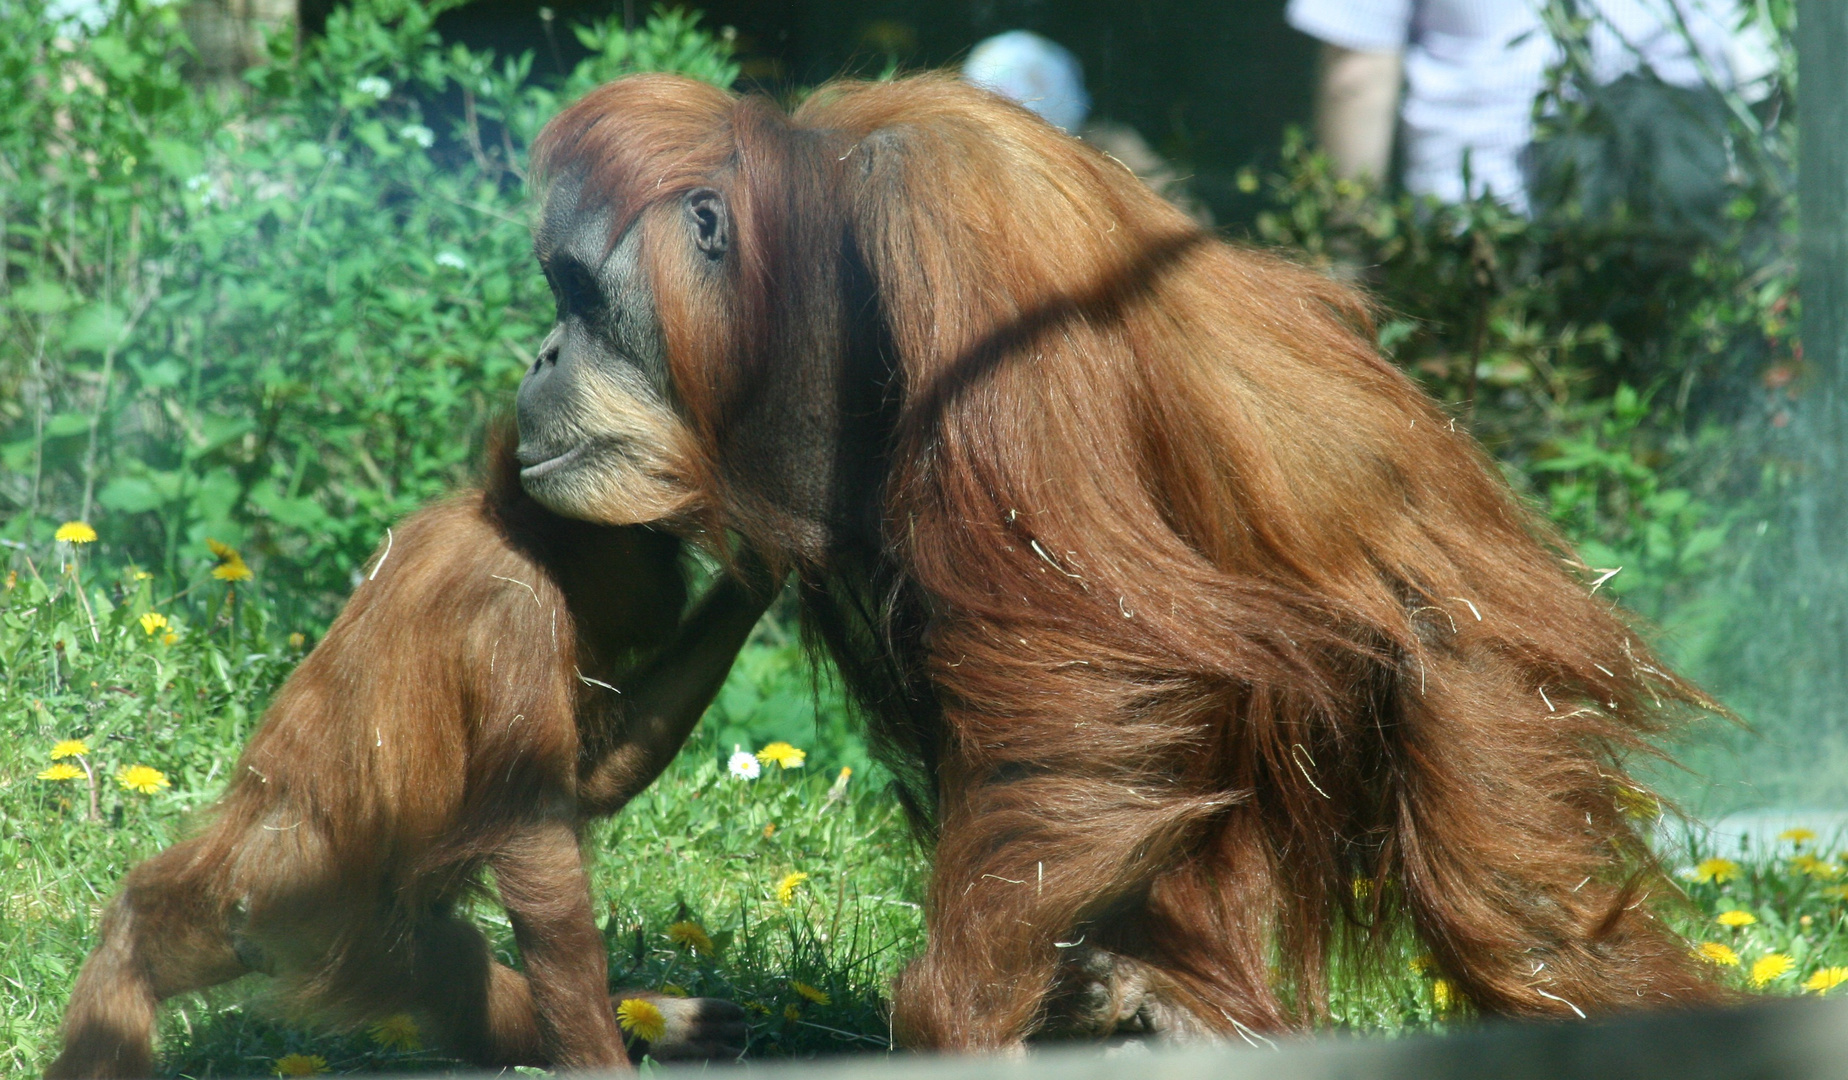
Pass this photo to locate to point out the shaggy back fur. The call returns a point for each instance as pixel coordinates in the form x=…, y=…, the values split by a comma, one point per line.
x=1204, y=621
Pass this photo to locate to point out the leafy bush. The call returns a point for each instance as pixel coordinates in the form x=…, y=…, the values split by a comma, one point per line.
x=276, y=319
x=1632, y=368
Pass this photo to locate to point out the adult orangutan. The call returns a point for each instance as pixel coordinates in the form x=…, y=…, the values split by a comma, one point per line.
x=493, y=684
x=1201, y=634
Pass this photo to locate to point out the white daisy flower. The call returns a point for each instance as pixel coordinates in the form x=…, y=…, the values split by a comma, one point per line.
x=744, y=764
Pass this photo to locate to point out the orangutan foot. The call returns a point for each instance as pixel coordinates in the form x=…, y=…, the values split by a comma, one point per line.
x=1103, y=994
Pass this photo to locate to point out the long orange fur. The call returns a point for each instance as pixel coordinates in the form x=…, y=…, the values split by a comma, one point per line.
x=464, y=712
x=1203, y=635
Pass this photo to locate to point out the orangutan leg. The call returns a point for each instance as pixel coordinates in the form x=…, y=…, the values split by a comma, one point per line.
x=558, y=1013
x=1022, y=864
x=165, y=934
x=1188, y=960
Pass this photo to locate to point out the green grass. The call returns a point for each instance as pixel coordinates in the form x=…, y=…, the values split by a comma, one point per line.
x=701, y=846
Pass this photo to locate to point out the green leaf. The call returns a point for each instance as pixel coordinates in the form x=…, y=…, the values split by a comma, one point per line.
x=308, y=155
x=298, y=513
x=163, y=374
x=95, y=327
x=130, y=495
x=64, y=425
x=41, y=296
x=17, y=455
x=216, y=431
x=115, y=55
x=182, y=161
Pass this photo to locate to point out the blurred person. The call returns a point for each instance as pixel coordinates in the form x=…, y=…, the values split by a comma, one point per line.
x=1460, y=77
x=1045, y=77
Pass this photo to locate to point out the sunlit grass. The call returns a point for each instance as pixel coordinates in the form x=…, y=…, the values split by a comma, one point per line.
x=792, y=888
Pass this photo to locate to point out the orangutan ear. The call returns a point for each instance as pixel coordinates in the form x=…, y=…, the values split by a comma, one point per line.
x=710, y=220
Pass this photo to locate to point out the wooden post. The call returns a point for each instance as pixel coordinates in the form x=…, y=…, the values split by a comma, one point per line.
x=1822, y=193
x=1822, y=121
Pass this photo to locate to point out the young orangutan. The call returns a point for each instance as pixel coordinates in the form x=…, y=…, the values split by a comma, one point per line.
x=478, y=700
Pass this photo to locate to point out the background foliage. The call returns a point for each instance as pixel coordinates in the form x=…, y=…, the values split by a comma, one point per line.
x=1629, y=355
x=280, y=318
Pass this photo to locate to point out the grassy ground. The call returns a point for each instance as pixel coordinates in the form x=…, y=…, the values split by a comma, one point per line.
x=804, y=881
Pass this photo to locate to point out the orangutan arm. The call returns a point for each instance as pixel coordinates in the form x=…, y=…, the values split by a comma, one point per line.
x=663, y=702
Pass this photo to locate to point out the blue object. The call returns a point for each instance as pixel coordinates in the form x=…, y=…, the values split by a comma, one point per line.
x=1040, y=74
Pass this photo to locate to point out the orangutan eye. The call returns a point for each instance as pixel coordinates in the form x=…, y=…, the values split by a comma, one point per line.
x=574, y=288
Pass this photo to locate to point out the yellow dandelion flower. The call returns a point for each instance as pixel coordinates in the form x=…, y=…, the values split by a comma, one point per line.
x=1797, y=836
x=783, y=754
x=1714, y=952
x=769, y=830
x=1826, y=979
x=1771, y=966
x=641, y=1018
x=692, y=935
x=1816, y=868
x=758, y=1007
x=75, y=532
x=673, y=990
x=396, y=1032
x=1717, y=871
x=69, y=748
x=297, y=640
x=63, y=770
x=1443, y=995
x=12, y=580
x=786, y=888
x=220, y=550
x=232, y=570
x=791, y=1013
x=301, y=1065
x=142, y=778
x=818, y=996
x=143, y=575
x=1836, y=892
x=169, y=638
x=153, y=621
x=1735, y=919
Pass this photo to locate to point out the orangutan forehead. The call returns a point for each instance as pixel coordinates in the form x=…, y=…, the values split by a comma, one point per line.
x=571, y=224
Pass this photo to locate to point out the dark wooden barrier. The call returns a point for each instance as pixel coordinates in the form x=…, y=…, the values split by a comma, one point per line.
x=1774, y=1040
x=1801, y=1039
x=1784, y=1040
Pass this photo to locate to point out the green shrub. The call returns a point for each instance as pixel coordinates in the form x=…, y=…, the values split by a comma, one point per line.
x=1632, y=369
x=278, y=319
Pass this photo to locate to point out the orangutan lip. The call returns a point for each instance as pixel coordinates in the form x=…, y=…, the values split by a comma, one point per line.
x=539, y=469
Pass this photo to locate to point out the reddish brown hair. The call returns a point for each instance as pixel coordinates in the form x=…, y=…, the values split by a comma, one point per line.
x=497, y=679
x=1204, y=622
